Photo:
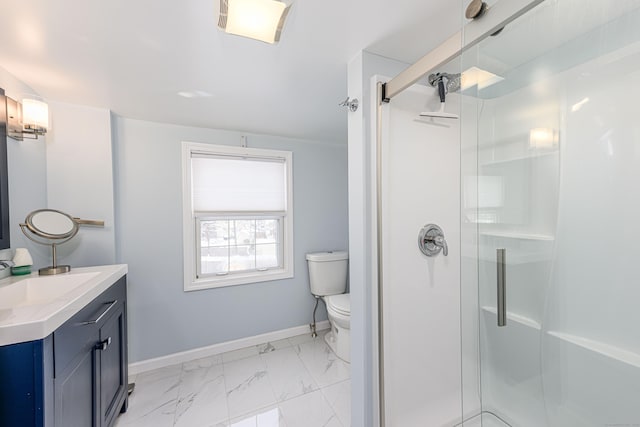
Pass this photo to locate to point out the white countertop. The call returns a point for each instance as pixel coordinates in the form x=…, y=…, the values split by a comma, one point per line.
x=34, y=322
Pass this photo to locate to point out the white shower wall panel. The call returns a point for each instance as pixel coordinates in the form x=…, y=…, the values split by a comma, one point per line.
x=421, y=185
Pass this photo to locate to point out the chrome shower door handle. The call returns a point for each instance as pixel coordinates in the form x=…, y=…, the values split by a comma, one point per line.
x=431, y=241
x=501, y=307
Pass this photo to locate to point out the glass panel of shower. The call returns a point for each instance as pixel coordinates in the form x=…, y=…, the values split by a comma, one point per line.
x=549, y=214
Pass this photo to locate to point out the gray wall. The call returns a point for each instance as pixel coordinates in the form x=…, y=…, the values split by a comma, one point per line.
x=83, y=188
x=45, y=173
x=27, y=164
x=163, y=319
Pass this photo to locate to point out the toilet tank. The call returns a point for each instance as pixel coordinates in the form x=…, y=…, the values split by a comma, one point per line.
x=328, y=272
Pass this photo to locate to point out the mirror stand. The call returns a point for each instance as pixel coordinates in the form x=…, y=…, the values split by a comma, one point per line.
x=55, y=268
x=52, y=227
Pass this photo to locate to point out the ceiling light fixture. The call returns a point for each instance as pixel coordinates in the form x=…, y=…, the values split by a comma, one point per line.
x=256, y=19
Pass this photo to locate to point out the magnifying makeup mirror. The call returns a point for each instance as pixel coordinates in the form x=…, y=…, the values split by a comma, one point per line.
x=53, y=227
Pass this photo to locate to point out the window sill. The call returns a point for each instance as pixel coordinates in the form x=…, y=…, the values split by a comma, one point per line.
x=240, y=279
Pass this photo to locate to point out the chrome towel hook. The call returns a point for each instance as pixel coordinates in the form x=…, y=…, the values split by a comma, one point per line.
x=352, y=104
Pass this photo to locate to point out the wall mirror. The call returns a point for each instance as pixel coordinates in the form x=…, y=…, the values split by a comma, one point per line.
x=5, y=242
x=53, y=227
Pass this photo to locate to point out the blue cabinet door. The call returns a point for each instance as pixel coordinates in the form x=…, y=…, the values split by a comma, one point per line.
x=26, y=384
x=113, y=367
x=75, y=393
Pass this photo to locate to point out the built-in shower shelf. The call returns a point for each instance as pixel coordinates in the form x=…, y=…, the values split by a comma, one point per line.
x=621, y=355
x=515, y=257
x=514, y=317
x=515, y=235
x=533, y=156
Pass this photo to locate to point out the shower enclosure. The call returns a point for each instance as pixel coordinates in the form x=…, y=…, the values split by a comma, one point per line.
x=533, y=317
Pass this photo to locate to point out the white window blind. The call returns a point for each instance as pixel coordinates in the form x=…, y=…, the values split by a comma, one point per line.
x=234, y=184
x=238, y=215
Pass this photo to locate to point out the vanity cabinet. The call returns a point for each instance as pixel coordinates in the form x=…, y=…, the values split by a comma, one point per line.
x=77, y=376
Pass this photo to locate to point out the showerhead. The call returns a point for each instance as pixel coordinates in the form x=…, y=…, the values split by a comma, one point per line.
x=453, y=84
x=453, y=80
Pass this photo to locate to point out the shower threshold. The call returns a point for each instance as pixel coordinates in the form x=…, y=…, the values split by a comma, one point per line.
x=485, y=419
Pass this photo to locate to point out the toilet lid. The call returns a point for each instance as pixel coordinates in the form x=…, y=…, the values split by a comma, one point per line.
x=340, y=303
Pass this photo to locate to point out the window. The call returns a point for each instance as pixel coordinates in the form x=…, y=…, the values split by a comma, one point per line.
x=237, y=215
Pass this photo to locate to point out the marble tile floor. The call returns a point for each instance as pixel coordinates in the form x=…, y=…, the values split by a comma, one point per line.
x=295, y=382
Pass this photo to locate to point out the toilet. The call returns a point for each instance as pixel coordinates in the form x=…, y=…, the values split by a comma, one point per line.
x=328, y=273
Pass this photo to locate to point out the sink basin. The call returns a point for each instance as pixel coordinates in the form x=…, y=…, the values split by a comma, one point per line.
x=32, y=307
x=40, y=290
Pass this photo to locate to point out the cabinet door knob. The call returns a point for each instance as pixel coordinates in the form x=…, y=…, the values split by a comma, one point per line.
x=102, y=345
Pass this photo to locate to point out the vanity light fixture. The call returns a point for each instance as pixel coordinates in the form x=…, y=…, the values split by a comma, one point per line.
x=28, y=119
x=256, y=19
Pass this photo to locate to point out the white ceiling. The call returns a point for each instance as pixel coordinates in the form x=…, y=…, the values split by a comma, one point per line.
x=133, y=57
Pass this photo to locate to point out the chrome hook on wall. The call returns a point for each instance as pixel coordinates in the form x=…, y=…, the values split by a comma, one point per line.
x=352, y=104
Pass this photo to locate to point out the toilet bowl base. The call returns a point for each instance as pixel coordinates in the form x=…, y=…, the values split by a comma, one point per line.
x=341, y=346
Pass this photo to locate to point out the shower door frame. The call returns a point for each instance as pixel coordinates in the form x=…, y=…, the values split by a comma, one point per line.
x=497, y=17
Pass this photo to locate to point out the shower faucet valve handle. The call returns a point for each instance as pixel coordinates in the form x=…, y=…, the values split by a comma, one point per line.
x=441, y=242
x=431, y=241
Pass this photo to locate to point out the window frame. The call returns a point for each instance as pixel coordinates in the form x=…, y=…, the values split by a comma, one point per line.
x=241, y=216
x=191, y=240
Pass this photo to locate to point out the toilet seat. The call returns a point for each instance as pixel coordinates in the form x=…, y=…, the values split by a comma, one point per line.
x=340, y=304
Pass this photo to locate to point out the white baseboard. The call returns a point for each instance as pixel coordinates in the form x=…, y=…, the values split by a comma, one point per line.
x=211, y=350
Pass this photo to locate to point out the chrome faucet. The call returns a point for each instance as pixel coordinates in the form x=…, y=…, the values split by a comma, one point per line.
x=4, y=264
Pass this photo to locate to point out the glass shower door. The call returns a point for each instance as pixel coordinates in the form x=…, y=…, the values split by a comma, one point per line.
x=515, y=211
x=550, y=200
